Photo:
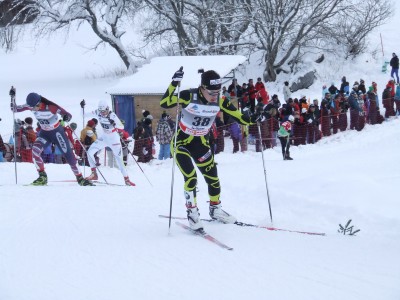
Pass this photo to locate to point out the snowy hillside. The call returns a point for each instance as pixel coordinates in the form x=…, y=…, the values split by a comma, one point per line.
x=64, y=241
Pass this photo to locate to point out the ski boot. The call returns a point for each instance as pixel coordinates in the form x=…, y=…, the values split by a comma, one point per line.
x=193, y=216
x=92, y=176
x=128, y=182
x=82, y=181
x=216, y=213
x=42, y=180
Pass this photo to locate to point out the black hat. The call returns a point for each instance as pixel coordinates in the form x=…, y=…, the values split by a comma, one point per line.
x=29, y=120
x=145, y=113
x=164, y=116
x=211, y=80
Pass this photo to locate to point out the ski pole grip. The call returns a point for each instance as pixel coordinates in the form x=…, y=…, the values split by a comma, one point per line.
x=180, y=69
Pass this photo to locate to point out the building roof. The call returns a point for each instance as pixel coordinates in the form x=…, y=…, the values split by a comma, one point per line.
x=154, y=78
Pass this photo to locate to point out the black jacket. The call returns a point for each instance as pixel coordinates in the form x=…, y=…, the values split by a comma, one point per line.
x=394, y=62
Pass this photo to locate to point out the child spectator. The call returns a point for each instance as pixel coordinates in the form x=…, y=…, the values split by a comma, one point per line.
x=164, y=136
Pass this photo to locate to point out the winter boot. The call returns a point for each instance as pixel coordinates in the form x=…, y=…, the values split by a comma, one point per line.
x=216, y=213
x=128, y=182
x=82, y=181
x=42, y=180
x=92, y=176
x=287, y=157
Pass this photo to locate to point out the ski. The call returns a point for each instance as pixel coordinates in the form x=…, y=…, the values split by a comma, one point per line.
x=108, y=183
x=93, y=181
x=242, y=224
x=204, y=235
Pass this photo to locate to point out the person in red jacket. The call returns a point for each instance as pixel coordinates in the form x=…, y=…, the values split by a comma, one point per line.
x=261, y=91
x=251, y=89
x=335, y=111
x=125, y=140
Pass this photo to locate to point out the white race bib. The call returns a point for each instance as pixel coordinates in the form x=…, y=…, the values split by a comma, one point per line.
x=197, y=119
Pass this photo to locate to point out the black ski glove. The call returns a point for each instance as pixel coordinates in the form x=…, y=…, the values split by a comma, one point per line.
x=12, y=91
x=178, y=76
x=67, y=117
x=83, y=103
x=256, y=117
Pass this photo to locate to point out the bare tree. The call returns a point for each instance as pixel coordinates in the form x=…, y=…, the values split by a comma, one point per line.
x=285, y=27
x=354, y=24
x=106, y=18
x=8, y=37
x=199, y=26
x=286, y=30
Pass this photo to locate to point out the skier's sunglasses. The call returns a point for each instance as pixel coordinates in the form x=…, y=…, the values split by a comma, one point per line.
x=37, y=106
x=213, y=93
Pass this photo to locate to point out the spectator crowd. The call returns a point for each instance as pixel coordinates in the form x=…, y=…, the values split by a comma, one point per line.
x=341, y=107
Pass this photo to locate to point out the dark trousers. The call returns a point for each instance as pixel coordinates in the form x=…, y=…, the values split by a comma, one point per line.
x=285, y=144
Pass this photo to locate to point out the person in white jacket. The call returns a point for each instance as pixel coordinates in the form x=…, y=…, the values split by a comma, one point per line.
x=287, y=93
x=110, y=123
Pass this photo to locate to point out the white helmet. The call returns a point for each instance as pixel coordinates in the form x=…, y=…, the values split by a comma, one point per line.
x=103, y=107
x=291, y=118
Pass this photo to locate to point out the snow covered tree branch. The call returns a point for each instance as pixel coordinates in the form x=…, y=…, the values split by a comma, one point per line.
x=106, y=18
x=201, y=27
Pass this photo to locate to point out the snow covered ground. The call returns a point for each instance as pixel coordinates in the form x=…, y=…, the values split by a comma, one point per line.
x=64, y=241
x=68, y=242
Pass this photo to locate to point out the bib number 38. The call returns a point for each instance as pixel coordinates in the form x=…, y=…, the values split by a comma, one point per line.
x=199, y=121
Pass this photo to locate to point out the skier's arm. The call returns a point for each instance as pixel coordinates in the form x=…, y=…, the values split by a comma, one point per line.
x=116, y=122
x=90, y=114
x=227, y=107
x=19, y=108
x=170, y=100
x=56, y=109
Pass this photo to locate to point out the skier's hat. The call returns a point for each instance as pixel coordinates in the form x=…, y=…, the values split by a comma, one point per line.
x=33, y=99
x=210, y=80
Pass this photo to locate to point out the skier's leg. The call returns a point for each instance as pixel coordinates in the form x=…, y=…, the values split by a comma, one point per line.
x=93, y=149
x=185, y=165
x=208, y=168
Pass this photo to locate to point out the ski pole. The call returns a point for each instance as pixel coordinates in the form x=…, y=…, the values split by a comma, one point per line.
x=84, y=149
x=12, y=95
x=83, y=126
x=265, y=170
x=129, y=151
x=174, y=156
